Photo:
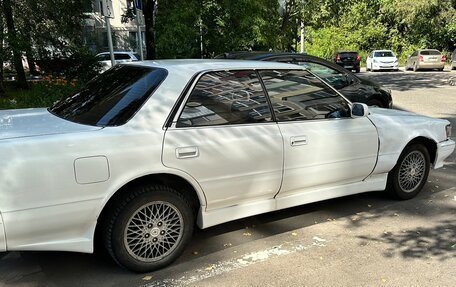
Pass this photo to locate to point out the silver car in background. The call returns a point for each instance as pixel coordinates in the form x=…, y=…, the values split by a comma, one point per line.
x=119, y=57
x=425, y=59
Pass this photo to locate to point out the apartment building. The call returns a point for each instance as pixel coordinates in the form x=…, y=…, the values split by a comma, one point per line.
x=124, y=34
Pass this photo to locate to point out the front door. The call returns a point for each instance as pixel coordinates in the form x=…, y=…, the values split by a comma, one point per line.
x=225, y=138
x=323, y=145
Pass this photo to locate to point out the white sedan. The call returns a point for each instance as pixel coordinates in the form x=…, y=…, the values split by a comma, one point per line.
x=146, y=150
x=382, y=60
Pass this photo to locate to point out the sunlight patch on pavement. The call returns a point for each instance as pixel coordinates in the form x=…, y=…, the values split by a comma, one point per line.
x=221, y=267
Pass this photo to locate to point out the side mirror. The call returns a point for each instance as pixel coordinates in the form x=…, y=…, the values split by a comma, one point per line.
x=359, y=110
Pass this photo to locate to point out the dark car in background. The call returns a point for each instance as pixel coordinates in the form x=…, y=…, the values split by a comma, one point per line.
x=352, y=87
x=349, y=60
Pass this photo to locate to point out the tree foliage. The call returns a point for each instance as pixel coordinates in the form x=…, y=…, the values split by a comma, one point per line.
x=330, y=25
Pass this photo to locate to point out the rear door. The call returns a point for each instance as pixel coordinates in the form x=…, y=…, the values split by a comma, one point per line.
x=225, y=138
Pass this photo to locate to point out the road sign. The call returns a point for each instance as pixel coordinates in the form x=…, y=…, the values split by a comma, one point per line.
x=107, y=9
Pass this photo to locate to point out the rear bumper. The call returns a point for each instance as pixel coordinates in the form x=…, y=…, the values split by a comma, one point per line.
x=349, y=65
x=385, y=66
x=2, y=235
x=444, y=149
x=423, y=65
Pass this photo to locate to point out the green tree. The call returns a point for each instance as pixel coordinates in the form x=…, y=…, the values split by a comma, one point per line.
x=13, y=41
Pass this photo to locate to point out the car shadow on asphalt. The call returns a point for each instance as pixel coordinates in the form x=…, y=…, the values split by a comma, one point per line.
x=76, y=269
x=406, y=81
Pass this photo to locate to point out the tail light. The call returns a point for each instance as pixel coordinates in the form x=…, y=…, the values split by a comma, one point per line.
x=421, y=58
x=443, y=58
x=358, y=58
x=338, y=58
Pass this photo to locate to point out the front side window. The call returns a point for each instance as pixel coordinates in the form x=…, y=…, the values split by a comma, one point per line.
x=332, y=76
x=112, y=98
x=298, y=95
x=226, y=97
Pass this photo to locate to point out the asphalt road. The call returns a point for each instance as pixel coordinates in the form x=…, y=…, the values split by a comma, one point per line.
x=362, y=240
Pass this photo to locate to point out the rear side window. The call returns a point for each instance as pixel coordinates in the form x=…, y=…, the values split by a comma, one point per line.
x=226, y=97
x=348, y=55
x=122, y=57
x=103, y=57
x=430, y=52
x=112, y=98
x=298, y=95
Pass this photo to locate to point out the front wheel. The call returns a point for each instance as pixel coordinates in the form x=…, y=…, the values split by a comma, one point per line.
x=149, y=228
x=409, y=175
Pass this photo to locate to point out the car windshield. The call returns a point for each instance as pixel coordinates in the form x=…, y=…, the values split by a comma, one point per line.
x=430, y=52
x=384, y=54
x=111, y=98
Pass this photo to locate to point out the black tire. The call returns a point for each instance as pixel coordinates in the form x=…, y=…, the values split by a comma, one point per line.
x=128, y=208
x=441, y=70
x=375, y=103
x=394, y=186
x=358, y=70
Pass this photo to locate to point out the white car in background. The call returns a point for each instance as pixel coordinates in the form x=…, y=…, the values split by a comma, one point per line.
x=382, y=60
x=119, y=57
x=147, y=150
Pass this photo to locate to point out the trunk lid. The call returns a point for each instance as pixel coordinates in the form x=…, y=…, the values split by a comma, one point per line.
x=36, y=122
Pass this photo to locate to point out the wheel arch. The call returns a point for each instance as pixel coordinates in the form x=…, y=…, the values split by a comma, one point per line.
x=430, y=145
x=179, y=183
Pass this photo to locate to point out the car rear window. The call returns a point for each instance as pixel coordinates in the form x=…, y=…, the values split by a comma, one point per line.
x=430, y=52
x=111, y=98
x=348, y=54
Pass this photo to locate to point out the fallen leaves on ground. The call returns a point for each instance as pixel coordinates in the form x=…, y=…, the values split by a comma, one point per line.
x=147, y=278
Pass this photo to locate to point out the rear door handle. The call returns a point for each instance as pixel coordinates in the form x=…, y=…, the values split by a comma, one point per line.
x=187, y=152
x=298, y=140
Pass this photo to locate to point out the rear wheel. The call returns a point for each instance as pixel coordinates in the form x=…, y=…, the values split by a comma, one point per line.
x=149, y=228
x=375, y=103
x=358, y=70
x=409, y=175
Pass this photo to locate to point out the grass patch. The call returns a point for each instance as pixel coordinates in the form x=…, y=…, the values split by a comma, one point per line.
x=41, y=94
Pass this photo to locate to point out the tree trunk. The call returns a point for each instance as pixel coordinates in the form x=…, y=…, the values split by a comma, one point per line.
x=29, y=48
x=2, y=89
x=12, y=40
x=149, y=14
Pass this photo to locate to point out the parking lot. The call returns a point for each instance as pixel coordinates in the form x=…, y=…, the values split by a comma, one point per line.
x=363, y=240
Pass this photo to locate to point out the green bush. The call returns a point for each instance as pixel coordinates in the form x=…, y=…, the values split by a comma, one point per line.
x=41, y=94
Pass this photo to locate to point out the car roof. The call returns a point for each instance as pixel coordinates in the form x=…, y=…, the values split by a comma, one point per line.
x=116, y=52
x=256, y=55
x=429, y=50
x=382, y=51
x=191, y=66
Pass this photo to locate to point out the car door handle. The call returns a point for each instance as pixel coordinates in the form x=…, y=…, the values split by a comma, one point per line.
x=299, y=140
x=187, y=152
